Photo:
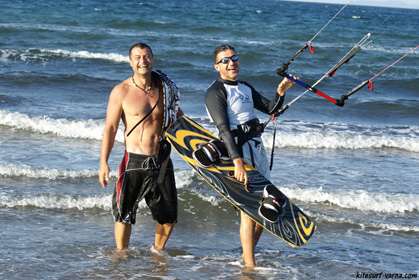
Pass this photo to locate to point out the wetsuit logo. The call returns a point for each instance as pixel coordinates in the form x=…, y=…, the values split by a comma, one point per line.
x=243, y=96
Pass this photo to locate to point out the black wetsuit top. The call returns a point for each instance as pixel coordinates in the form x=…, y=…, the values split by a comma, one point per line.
x=221, y=101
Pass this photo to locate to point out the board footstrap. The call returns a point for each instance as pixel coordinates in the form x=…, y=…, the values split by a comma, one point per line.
x=271, y=204
x=210, y=153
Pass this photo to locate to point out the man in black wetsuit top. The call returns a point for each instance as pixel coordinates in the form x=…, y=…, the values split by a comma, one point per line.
x=231, y=105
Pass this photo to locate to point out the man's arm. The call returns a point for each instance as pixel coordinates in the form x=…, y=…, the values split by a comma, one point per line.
x=113, y=116
x=216, y=104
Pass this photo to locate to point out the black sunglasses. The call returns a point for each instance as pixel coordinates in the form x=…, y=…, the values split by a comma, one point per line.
x=226, y=60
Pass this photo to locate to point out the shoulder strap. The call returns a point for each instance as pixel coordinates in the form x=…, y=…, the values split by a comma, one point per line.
x=148, y=114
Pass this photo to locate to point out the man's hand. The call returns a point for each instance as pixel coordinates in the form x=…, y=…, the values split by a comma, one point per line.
x=285, y=85
x=104, y=175
x=240, y=172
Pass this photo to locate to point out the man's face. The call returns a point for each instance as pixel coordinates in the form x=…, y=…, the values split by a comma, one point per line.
x=230, y=70
x=141, y=60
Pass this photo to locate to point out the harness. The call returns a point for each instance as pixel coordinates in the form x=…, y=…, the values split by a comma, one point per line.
x=246, y=132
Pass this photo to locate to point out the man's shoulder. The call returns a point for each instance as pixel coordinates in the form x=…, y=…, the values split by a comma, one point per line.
x=245, y=83
x=123, y=86
x=216, y=85
x=216, y=91
x=121, y=89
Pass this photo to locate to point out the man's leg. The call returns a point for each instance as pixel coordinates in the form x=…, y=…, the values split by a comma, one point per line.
x=122, y=235
x=163, y=232
x=247, y=237
x=258, y=233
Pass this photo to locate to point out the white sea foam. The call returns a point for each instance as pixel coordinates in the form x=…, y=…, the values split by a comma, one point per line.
x=65, y=201
x=302, y=135
x=102, y=201
x=45, y=54
x=349, y=199
x=86, y=54
x=83, y=129
x=61, y=201
x=13, y=170
x=342, y=136
x=49, y=27
x=357, y=199
x=341, y=140
x=184, y=178
x=382, y=226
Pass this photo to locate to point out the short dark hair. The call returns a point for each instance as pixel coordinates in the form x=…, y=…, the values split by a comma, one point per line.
x=141, y=46
x=221, y=49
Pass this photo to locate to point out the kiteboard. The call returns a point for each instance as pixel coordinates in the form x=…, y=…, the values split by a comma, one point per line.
x=292, y=225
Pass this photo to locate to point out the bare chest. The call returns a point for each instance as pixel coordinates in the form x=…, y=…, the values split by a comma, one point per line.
x=137, y=104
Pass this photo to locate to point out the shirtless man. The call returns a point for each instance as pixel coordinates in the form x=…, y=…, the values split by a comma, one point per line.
x=146, y=170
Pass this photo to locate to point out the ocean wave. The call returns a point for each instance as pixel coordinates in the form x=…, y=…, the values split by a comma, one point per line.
x=341, y=140
x=83, y=30
x=357, y=199
x=81, y=129
x=390, y=50
x=290, y=134
x=343, y=136
x=66, y=201
x=318, y=217
x=47, y=27
x=102, y=202
x=13, y=170
x=185, y=179
x=89, y=55
x=43, y=55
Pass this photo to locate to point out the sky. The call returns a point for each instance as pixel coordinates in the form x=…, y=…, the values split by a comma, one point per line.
x=410, y=4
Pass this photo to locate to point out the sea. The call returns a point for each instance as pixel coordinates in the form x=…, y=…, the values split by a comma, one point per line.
x=353, y=169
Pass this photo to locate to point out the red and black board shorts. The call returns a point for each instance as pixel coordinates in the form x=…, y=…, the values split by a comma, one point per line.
x=137, y=180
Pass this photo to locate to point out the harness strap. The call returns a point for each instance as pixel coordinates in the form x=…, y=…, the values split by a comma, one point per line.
x=251, y=155
x=148, y=114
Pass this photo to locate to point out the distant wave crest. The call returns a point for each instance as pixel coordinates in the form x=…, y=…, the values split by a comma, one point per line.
x=34, y=54
x=13, y=170
x=82, y=129
x=343, y=136
x=380, y=225
x=357, y=199
x=302, y=135
x=66, y=201
x=332, y=139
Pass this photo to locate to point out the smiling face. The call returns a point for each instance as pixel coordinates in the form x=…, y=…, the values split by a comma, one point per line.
x=141, y=60
x=228, y=71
